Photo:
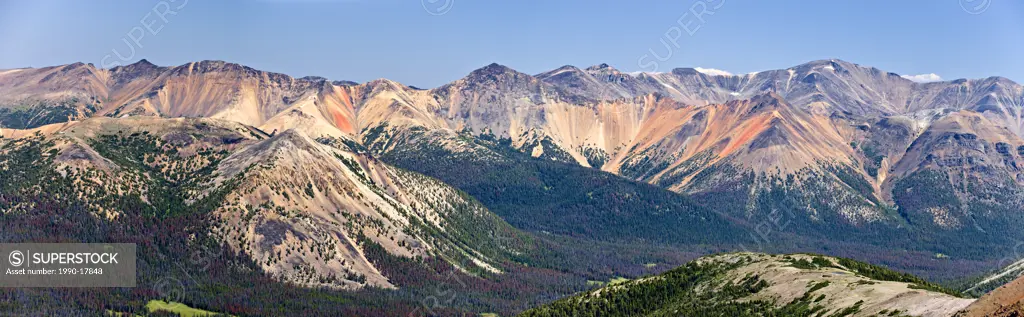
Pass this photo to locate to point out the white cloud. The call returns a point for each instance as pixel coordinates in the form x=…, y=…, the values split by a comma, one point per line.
x=713, y=72
x=923, y=78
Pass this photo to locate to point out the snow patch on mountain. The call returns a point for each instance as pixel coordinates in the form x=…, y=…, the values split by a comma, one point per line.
x=712, y=71
x=923, y=78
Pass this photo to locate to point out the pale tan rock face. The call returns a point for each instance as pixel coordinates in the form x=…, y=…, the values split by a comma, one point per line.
x=844, y=288
x=319, y=201
x=820, y=284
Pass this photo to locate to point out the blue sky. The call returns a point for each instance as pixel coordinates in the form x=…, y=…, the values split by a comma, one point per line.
x=427, y=43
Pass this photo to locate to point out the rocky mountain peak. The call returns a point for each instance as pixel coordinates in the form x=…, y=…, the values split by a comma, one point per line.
x=495, y=74
x=685, y=71
x=492, y=70
x=141, y=68
x=77, y=68
x=211, y=66
x=600, y=67
x=567, y=69
x=1001, y=80
x=345, y=83
x=829, y=62
x=143, y=63
x=313, y=79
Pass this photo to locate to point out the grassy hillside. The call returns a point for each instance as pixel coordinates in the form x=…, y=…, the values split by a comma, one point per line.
x=751, y=284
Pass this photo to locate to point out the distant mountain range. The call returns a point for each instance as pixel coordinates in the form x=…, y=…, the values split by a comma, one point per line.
x=342, y=185
x=857, y=139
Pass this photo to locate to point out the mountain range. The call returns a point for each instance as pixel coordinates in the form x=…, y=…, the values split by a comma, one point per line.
x=863, y=136
x=338, y=185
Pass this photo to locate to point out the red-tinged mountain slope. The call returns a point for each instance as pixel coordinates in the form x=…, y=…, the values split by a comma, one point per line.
x=849, y=135
x=1005, y=301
